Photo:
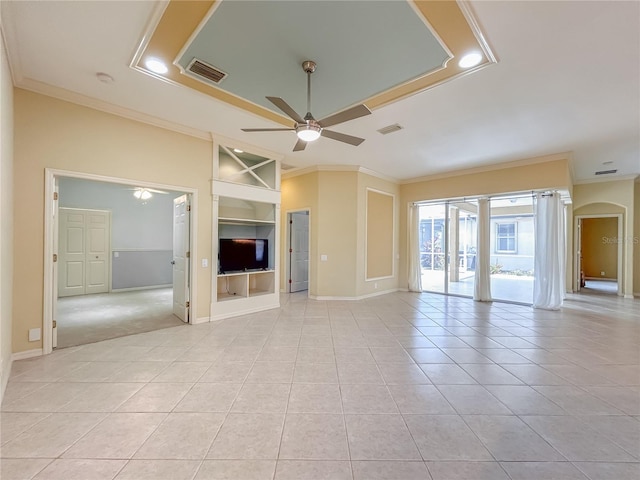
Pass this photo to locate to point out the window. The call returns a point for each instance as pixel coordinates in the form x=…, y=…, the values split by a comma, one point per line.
x=506, y=237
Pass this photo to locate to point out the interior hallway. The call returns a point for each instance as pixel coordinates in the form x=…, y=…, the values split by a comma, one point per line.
x=396, y=387
x=86, y=319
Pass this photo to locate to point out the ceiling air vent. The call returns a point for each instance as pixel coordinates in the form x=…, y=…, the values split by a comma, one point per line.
x=204, y=71
x=606, y=172
x=390, y=129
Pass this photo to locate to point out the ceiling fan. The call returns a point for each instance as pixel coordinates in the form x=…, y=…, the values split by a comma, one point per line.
x=308, y=128
x=144, y=193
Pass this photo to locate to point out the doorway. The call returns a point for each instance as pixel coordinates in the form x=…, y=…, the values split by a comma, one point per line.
x=599, y=254
x=143, y=291
x=298, y=258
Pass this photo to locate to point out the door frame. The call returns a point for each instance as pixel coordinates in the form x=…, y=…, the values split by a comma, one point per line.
x=577, y=236
x=50, y=271
x=287, y=246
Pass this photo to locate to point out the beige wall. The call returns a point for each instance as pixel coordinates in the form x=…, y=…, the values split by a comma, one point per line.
x=616, y=195
x=337, y=204
x=598, y=254
x=553, y=174
x=6, y=217
x=50, y=133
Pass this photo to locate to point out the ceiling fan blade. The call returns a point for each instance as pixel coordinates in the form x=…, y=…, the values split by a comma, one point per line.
x=299, y=146
x=342, y=137
x=268, y=129
x=284, y=106
x=349, y=114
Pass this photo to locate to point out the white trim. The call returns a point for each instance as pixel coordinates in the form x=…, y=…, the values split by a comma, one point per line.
x=5, y=371
x=576, y=248
x=296, y=172
x=607, y=178
x=199, y=320
x=133, y=289
x=394, y=221
x=632, y=296
x=36, y=352
x=240, y=313
x=359, y=297
x=50, y=208
x=140, y=250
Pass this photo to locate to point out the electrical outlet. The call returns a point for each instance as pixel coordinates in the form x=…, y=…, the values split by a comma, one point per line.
x=375, y=285
x=205, y=262
x=602, y=274
x=34, y=334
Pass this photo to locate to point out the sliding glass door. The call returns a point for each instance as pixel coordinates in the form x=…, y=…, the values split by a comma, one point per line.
x=433, y=237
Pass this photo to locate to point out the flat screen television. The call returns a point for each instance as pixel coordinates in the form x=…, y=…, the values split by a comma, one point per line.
x=240, y=254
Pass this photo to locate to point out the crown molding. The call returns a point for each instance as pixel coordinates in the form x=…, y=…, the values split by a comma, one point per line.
x=490, y=168
x=96, y=104
x=296, y=172
x=633, y=177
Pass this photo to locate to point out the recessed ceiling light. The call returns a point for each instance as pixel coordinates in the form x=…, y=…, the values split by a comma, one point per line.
x=237, y=150
x=156, y=66
x=470, y=60
x=104, y=77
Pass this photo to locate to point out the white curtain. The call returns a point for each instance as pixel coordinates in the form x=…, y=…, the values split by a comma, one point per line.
x=415, y=270
x=482, y=286
x=549, y=261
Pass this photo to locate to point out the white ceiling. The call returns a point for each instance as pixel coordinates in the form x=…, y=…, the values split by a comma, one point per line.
x=567, y=80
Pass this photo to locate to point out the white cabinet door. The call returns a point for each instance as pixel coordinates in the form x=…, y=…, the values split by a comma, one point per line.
x=180, y=259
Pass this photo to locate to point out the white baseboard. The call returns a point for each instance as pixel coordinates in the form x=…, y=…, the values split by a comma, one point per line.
x=201, y=320
x=36, y=352
x=242, y=312
x=359, y=297
x=133, y=289
x=631, y=296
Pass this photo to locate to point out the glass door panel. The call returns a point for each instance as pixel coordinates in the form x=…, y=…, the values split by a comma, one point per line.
x=512, y=249
x=463, y=233
x=432, y=247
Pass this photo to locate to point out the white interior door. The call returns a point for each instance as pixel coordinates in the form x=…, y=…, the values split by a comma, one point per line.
x=579, y=275
x=299, y=251
x=83, y=251
x=181, y=257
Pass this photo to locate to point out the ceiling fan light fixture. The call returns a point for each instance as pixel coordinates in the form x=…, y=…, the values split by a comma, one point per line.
x=308, y=133
x=142, y=194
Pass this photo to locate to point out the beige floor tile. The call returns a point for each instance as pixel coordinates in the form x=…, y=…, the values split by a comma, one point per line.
x=446, y=374
x=542, y=471
x=159, y=470
x=51, y=436
x=209, y=397
x=576, y=441
x=626, y=399
x=249, y=437
x=524, y=400
x=534, y=375
x=102, y=397
x=349, y=355
x=620, y=429
x=131, y=430
x=13, y=424
x=367, y=399
x=272, y=353
x=182, y=436
x=314, y=398
x=359, y=373
x=380, y=437
x=473, y=400
x=156, y=397
x=83, y=469
x=271, y=372
x=390, y=470
x=420, y=399
x=490, y=374
x=394, y=354
x=232, y=372
x=509, y=439
x=402, y=374
x=314, y=437
x=313, y=470
x=315, y=373
x=466, y=471
x=445, y=438
x=315, y=355
x=22, y=468
x=50, y=398
x=576, y=401
x=236, y=470
x=16, y=390
x=262, y=398
x=610, y=471
x=428, y=355
x=182, y=372
x=139, y=372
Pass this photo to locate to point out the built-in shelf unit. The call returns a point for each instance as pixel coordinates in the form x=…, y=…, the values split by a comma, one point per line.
x=246, y=205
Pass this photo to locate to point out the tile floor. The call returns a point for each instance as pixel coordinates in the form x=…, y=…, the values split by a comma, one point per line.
x=402, y=386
